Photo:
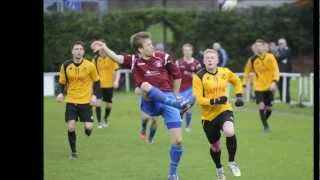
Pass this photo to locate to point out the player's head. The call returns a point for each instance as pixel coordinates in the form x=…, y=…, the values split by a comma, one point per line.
x=272, y=45
x=142, y=43
x=78, y=49
x=210, y=59
x=282, y=43
x=187, y=50
x=259, y=45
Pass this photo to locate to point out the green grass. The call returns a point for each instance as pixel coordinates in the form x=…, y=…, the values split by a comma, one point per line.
x=117, y=153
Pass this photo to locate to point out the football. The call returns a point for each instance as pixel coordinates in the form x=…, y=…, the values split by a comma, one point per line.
x=229, y=5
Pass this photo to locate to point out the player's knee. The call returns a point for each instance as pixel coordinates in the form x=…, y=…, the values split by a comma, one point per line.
x=109, y=105
x=88, y=126
x=261, y=105
x=145, y=86
x=178, y=142
x=71, y=126
x=154, y=123
x=228, y=129
x=215, y=147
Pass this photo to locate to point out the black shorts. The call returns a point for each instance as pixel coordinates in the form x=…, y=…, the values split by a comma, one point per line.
x=107, y=94
x=79, y=111
x=264, y=96
x=213, y=128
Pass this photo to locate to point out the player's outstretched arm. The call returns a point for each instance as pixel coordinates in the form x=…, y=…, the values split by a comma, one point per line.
x=116, y=57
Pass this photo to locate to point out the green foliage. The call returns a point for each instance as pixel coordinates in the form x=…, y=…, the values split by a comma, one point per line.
x=236, y=31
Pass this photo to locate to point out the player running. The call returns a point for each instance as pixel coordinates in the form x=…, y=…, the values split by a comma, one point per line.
x=78, y=76
x=210, y=90
x=187, y=65
x=152, y=72
x=266, y=75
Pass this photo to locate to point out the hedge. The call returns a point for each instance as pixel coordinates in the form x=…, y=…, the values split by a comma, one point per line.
x=235, y=30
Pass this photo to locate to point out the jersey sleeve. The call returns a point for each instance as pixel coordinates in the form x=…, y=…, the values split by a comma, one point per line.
x=235, y=81
x=275, y=67
x=94, y=73
x=172, y=67
x=127, y=61
x=197, y=90
x=247, y=70
x=62, y=77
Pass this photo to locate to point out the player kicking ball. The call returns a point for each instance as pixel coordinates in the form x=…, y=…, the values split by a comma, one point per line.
x=210, y=90
x=157, y=75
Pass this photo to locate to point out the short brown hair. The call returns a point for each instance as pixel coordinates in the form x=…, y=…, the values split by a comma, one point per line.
x=187, y=45
x=210, y=51
x=78, y=43
x=137, y=39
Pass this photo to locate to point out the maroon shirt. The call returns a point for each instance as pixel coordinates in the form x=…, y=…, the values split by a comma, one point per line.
x=157, y=71
x=187, y=69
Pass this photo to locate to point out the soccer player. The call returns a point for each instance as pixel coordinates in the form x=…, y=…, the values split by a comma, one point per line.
x=109, y=79
x=210, y=90
x=266, y=75
x=152, y=72
x=78, y=77
x=187, y=65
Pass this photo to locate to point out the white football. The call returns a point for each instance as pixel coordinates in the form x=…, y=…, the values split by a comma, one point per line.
x=229, y=5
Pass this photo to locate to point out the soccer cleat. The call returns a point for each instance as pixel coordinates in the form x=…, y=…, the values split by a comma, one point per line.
x=105, y=124
x=100, y=126
x=188, y=129
x=266, y=129
x=220, y=174
x=234, y=169
x=73, y=156
x=185, y=105
x=173, y=177
x=150, y=141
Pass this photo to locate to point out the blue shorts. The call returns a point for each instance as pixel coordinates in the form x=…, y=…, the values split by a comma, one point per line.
x=171, y=115
x=187, y=94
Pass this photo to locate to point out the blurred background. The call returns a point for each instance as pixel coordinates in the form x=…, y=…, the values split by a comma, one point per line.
x=175, y=22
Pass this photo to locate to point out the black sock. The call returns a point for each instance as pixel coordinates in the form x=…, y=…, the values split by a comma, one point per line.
x=268, y=113
x=181, y=115
x=106, y=115
x=98, y=113
x=72, y=140
x=263, y=118
x=216, y=158
x=87, y=131
x=232, y=147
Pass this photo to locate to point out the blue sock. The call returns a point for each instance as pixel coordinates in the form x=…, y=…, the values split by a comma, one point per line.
x=175, y=154
x=143, y=124
x=156, y=94
x=188, y=119
x=152, y=133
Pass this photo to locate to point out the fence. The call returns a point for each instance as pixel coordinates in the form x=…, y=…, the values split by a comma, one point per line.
x=305, y=94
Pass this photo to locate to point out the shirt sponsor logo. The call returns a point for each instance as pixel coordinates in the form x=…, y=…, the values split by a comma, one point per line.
x=152, y=73
x=141, y=64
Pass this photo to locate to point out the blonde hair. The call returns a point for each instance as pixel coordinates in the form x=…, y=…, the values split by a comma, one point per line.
x=208, y=50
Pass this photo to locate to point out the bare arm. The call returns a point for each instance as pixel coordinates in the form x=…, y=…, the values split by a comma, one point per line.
x=117, y=58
